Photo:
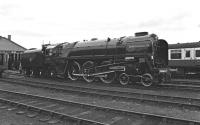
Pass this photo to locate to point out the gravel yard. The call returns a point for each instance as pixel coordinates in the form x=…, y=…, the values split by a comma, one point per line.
x=103, y=102
x=12, y=118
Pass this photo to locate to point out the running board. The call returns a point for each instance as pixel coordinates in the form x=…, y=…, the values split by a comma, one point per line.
x=97, y=74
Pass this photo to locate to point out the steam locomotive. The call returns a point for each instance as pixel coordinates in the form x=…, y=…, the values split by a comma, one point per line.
x=142, y=58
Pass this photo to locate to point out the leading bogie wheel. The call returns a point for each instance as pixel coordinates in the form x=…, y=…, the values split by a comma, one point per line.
x=123, y=79
x=74, y=68
x=147, y=80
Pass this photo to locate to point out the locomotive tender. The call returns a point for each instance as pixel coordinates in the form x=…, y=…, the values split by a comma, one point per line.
x=141, y=58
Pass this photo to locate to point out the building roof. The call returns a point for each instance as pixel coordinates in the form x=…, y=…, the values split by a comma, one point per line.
x=184, y=45
x=9, y=45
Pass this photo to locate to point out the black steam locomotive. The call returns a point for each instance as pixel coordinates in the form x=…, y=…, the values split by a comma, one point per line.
x=142, y=58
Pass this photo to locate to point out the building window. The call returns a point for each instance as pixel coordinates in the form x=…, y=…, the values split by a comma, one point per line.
x=187, y=53
x=1, y=59
x=176, y=54
x=197, y=53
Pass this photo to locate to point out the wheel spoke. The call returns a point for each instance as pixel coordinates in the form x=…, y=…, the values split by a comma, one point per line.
x=73, y=68
x=123, y=79
x=87, y=69
x=147, y=80
x=109, y=77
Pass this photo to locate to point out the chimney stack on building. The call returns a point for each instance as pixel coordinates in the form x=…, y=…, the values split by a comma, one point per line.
x=9, y=37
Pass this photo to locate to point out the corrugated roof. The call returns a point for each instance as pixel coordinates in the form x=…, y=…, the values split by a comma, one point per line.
x=184, y=45
x=8, y=45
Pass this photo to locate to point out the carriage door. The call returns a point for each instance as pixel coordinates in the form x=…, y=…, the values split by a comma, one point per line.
x=197, y=53
x=188, y=54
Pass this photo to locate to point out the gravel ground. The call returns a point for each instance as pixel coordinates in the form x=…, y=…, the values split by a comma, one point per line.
x=12, y=118
x=161, y=91
x=103, y=102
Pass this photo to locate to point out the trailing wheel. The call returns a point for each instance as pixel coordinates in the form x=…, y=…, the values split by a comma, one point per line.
x=147, y=80
x=124, y=79
x=74, y=68
x=161, y=78
x=109, y=77
x=87, y=69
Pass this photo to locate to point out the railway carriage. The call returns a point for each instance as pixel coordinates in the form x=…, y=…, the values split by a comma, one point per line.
x=141, y=58
x=184, y=59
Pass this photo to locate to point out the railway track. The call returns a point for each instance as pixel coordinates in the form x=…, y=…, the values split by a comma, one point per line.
x=186, y=81
x=56, y=109
x=79, y=113
x=178, y=84
x=105, y=91
x=131, y=96
x=189, y=85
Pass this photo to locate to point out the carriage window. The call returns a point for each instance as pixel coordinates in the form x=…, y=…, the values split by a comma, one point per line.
x=176, y=54
x=1, y=59
x=187, y=53
x=197, y=53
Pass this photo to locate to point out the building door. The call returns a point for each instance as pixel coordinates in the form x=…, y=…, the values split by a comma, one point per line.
x=1, y=59
x=10, y=61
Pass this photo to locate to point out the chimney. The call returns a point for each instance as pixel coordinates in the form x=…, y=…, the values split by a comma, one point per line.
x=9, y=37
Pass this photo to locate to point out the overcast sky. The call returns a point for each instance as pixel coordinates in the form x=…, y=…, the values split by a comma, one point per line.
x=33, y=22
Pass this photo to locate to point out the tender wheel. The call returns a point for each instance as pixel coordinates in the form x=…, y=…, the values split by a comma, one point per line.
x=109, y=77
x=40, y=73
x=27, y=72
x=31, y=73
x=35, y=72
x=147, y=80
x=87, y=69
x=123, y=79
x=52, y=73
x=74, y=68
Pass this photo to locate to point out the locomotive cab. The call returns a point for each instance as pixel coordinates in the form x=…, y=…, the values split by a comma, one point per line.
x=160, y=60
x=160, y=48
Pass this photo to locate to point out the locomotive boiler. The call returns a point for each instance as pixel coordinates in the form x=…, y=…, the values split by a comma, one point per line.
x=142, y=58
